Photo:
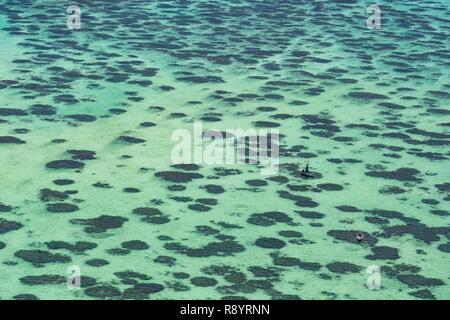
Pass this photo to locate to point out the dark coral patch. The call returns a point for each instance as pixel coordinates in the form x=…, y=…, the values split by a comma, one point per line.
x=266, y=124
x=135, y=245
x=170, y=261
x=131, y=277
x=12, y=112
x=86, y=281
x=131, y=190
x=391, y=190
x=45, y=279
x=402, y=174
x=442, y=213
x=256, y=183
x=346, y=208
x=201, y=80
x=178, y=176
x=61, y=207
x=77, y=247
x=186, y=166
x=383, y=253
x=5, y=208
x=118, y=251
x=82, y=117
x=97, y=262
x=417, y=230
x=270, y=243
x=392, y=106
x=199, y=207
x=330, y=187
x=104, y=291
x=131, y=140
x=430, y=201
x=42, y=110
x=82, y=154
x=300, y=201
x=311, y=214
x=417, y=280
x=63, y=182
x=444, y=187
x=10, y=140
x=25, y=296
x=285, y=261
x=203, y=281
x=181, y=275
x=350, y=236
x=311, y=266
x=176, y=187
x=214, y=189
x=269, y=218
x=306, y=203
x=444, y=247
x=207, y=201
x=147, y=124
x=343, y=267
x=52, y=195
x=290, y=234
x=423, y=294
x=149, y=288
x=366, y=96
x=222, y=248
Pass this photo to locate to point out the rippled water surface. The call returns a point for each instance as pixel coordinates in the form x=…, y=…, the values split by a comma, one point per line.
x=86, y=118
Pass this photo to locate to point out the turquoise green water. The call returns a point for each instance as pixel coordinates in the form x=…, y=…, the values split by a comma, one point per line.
x=368, y=109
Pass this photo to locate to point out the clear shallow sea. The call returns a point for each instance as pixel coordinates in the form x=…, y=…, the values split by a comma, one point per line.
x=368, y=109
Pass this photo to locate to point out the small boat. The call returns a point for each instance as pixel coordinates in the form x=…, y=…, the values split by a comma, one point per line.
x=359, y=237
x=306, y=173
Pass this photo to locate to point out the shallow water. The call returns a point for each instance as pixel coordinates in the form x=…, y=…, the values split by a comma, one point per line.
x=368, y=109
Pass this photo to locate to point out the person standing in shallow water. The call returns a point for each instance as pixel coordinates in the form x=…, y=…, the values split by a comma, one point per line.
x=359, y=237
